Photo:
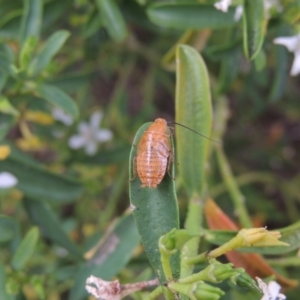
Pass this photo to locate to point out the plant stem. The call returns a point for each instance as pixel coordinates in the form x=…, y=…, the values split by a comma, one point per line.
x=237, y=196
x=192, y=224
x=154, y=294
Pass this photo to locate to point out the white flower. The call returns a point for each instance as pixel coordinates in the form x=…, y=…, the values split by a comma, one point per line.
x=268, y=4
x=238, y=13
x=59, y=115
x=223, y=5
x=7, y=180
x=90, y=135
x=293, y=45
x=270, y=290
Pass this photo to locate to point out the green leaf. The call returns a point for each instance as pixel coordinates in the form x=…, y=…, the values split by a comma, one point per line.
x=121, y=242
x=31, y=19
x=27, y=51
x=189, y=15
x=6, y=123
x=6, y=107
x=253, y=27
x=193, y=109
x=42, y=214
x=51, y=47
x=25, y=250
x=290, y=235
x=155, y=212
x=36, y=182
x=10, y=25
x=112, y=19
x=3, y=293
x=7, y=229
x=58, y=97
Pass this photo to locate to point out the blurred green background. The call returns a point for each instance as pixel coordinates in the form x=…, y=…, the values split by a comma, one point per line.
x=77, y=80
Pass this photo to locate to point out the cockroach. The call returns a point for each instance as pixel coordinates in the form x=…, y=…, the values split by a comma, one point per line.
x=155, y=154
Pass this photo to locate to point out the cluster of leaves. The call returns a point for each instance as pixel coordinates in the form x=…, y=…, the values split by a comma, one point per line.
x=80, y=56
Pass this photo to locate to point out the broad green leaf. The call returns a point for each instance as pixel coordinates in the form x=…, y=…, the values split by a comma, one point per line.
x=112, y=19
x=51, y=47
x=290, y=235
x=7, y=229
x=36, y=182
x=254, y=24
x=58, y=97
x=31, y=19
x=193, y=109
x=121, y=241
x=42, y=214
x=189, y=15
x=25, y=249
x=155, y=211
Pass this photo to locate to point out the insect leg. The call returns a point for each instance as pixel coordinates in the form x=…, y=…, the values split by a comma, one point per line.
x=170, y=162
x=134, y=169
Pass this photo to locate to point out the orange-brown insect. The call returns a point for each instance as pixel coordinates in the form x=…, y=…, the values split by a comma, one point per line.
x=154, y=154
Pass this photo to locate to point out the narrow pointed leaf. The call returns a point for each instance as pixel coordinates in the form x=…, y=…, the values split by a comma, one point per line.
x=193, y=109
x=155, y=211
x=114, y=251
x=189, y=15
x=58, y=97
x=31, y=19
x=25, y=250
x=36, y=182
x=51, y=47
x=42, y=214
x=112, y=19
x=254, y=27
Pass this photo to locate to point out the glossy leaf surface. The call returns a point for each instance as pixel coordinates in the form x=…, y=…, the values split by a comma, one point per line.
x=58, y=97
x=194, y=110
x=254, y=27
x=155, y=211
x=25, y=249
x=189, y=15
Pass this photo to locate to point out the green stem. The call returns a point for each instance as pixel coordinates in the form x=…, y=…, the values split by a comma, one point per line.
x=285, y=261
x=193, y=225
x=154, y=294
x=244, y=179
x=165, y=261
x=200, y=258
x=236, y=195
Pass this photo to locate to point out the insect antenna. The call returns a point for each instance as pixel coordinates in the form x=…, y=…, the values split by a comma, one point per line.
x=194, y=131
